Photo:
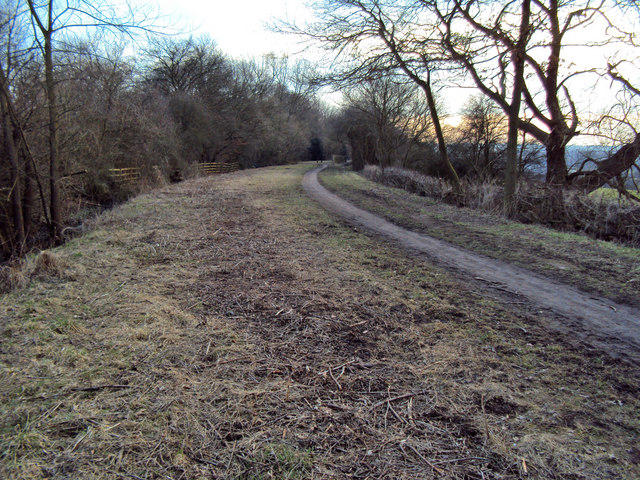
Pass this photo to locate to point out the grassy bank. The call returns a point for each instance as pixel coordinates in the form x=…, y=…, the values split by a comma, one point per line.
x=230, y=328
x=595, y=266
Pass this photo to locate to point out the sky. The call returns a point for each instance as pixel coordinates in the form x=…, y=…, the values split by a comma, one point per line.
x=239, y=27
x=240, y=30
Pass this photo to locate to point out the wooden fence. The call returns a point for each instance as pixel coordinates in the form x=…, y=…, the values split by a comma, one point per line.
x=131, y=175
x=215, y=168
x=125, y=175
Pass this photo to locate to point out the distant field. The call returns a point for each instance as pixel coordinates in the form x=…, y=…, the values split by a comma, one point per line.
x=228, y=327
x=610, y=194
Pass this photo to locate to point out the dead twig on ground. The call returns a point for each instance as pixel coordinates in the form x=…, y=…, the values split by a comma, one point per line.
x=399, y=397
x=101, y=387
x=420, y=456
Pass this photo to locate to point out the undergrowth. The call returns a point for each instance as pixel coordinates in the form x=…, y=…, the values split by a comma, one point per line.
x=598, y=216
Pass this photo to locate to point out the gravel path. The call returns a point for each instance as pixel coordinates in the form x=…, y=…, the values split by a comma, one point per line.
x=612, y=327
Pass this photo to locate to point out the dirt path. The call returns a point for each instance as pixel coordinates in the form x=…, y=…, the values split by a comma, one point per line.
x=612, y=327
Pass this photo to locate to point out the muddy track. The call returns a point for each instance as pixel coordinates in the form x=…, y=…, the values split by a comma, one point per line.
x=599, y=322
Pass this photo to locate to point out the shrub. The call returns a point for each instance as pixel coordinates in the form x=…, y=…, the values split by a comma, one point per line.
x=534, y=203
x=11, y=277
x=48, y=265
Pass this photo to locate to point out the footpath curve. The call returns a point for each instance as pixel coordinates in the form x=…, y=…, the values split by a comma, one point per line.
x=599, y=322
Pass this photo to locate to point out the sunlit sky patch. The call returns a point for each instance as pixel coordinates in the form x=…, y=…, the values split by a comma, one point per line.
x=239, y=27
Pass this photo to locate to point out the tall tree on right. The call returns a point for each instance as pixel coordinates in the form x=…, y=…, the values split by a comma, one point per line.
x=542, y=40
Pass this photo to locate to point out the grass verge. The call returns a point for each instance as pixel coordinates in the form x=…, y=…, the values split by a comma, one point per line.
x=230, y=328
x=593, y=265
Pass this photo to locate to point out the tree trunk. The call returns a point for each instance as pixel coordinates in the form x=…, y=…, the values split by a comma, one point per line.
x=557, y=177
x=442, y=145
x=15, y=180
x=31, y=177
x=357, y=151
x=425, y=85
x=28, y=204
x=557, y=174
x=511, y=171
x=54, y=191
x=607, y=169
x=47, y=31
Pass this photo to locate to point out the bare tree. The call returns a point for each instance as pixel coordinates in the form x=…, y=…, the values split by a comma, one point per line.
x=482, y=134
x=57, y=19
x=14, y=60
x=8, y=143
x=513, y=111
x=187, y=66
x=11, y=154
x=373, y=38
x=111, y=123
x=394, y=115
x=482, y=35
x=495, y=39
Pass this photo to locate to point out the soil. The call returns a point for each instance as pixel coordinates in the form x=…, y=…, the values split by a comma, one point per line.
x=607, y=325
x=231, y=328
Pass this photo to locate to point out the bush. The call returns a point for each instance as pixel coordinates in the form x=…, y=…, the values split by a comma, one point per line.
x=534, y=203
x=11, y=277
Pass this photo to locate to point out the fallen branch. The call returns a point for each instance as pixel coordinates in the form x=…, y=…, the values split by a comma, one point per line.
x=79, y=172
x=462, y=459
x=101, y=387
x=342, y=365
x=421, y=457
x=395, y=399
x=334, y=379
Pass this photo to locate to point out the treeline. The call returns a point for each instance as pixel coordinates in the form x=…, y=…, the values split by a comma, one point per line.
x=386, y=122
x=543, y=68
x=71, y=111
x=391, y=139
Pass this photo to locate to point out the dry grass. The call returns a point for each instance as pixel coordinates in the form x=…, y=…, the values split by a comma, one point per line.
x=43, y=266
x=599, y=216
x=11, y=277
x=603, y=268
x=229, y=328
x=48, y=264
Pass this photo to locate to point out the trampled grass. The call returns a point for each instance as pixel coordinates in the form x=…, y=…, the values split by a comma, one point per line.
x=228, y=327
